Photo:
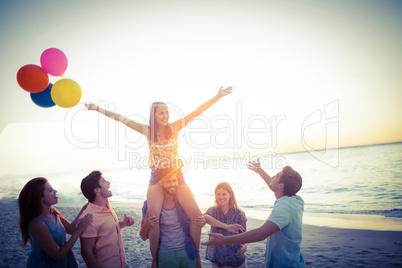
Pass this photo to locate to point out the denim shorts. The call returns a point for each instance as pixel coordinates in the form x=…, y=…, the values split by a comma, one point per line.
x=155, y=177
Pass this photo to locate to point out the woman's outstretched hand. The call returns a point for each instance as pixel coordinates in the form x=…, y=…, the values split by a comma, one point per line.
x=91, y=106
x=234, y=228
x=225, y=91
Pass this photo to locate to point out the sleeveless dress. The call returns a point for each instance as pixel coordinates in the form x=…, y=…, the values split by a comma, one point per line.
x=164, y=155
x=39, y=258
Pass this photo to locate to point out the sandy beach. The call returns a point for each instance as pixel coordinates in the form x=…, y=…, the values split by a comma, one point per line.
x=321, y=246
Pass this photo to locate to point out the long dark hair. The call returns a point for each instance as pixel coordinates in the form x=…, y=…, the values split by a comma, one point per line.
x=30, y=205
x=168, y=130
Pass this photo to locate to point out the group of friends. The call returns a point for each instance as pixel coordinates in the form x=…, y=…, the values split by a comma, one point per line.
x=172, y=220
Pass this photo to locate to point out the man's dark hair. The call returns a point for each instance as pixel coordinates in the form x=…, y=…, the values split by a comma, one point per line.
x=89, y=183
x=292, y=181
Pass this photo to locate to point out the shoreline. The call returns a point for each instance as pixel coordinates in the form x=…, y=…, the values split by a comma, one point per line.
x=353, y=221
x=321, y=246
x=332, y=220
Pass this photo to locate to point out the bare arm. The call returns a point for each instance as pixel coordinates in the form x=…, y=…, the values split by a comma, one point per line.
x=70, y=227
x=256, y=167
x=41, y=232
x=255, y=235
x=146, y=225
x=234, y=228
x=87, y=245
x=181, y=123
x=140, y=128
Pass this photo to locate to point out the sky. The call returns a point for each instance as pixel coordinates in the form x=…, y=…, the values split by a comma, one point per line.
x=306, y=76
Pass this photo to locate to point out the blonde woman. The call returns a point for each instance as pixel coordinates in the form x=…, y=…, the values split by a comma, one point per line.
x=228, y=213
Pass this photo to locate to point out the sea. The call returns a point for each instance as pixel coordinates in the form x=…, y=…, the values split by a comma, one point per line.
x=364, y=180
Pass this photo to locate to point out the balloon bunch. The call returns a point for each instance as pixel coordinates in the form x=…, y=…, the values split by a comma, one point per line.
x=65, y=92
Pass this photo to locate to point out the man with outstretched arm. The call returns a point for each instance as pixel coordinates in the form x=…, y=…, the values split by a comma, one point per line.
x=283, y=228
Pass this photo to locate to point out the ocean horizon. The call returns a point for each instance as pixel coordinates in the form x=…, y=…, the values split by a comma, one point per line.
x=362, y=180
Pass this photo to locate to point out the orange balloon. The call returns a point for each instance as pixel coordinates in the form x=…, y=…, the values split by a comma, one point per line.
x=32, y=78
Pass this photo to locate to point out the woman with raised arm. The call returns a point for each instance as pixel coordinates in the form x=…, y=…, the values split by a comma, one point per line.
x=46, y=228
x=163, y=144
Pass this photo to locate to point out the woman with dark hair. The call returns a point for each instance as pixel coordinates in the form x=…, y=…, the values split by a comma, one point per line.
x=163, y=144
x=46, y=228
x=228, y=213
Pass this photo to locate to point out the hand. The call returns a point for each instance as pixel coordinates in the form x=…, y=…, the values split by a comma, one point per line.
x=224, y=92
x=234, y=228
x=215, y=240
x=84, y=222
x=91, y=106
x=254, y=166
x=150, y=222
x=241, y=251
x=199, y=221
x=127, y=221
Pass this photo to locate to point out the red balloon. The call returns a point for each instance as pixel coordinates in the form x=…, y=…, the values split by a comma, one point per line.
x=32, y=78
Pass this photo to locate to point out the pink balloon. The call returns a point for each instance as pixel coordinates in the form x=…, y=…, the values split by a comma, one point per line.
x=54, y=61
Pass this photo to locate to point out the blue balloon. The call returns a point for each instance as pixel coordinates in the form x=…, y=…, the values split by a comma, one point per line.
x=43, y=99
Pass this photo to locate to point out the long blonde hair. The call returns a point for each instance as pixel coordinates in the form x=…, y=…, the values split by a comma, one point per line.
x=232, y=200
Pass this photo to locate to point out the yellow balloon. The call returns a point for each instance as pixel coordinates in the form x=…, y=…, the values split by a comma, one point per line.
x=66, y=93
